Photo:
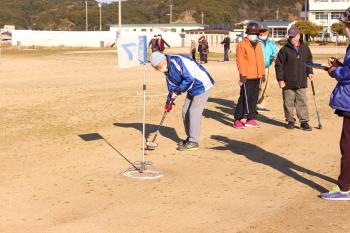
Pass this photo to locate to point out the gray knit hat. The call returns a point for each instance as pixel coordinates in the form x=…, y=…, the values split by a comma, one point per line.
x=157, y=58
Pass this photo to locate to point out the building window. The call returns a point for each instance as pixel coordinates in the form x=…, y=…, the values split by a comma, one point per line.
x=279, y=32
x=321, y=15
x=143, y=30
x=336, y=15
x=134, y=29
x=173, y=30
x=151, y=30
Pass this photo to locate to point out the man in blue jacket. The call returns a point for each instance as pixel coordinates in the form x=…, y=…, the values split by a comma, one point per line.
x=270, y=52
x=183, y=74
x=340, y=101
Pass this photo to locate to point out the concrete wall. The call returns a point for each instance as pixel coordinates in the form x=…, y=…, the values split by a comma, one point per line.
x=80, y=39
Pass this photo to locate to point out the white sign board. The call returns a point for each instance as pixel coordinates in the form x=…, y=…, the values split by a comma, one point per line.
x=132, y=51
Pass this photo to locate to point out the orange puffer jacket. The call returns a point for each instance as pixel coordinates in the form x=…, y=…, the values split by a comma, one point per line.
x=250, y=60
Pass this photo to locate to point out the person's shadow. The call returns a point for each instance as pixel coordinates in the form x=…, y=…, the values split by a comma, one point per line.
x=165, y=131
x=283, y=165
x=227, y=107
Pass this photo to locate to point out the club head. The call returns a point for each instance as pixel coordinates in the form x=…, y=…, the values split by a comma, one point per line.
x=319, y=127
x=151, y=145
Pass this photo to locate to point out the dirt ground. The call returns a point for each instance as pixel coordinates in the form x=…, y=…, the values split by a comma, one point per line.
x=252, y=180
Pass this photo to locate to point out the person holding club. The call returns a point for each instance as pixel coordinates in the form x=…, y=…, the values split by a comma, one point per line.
x=270, y=52
x=182, y=75
x=292, y=75
x=251, y=67
x=340, y=101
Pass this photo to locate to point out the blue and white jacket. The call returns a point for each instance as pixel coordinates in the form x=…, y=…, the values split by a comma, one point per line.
x=186, y=75
x=340, y=98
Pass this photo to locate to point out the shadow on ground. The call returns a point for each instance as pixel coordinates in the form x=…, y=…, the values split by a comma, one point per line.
x=96, y=136
x=227, y=107
x=165, y=131
x=259, y=155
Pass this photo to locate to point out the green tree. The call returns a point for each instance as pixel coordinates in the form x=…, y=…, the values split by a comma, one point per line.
x=308, y=28
x=338, y=28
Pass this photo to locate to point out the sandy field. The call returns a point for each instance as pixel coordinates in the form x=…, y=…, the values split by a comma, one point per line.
x=252, y=180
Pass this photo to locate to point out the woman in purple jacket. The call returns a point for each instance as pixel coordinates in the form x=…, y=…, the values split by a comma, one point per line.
x=340, y=101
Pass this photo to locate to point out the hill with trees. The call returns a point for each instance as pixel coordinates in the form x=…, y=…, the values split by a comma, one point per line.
x=70, y=14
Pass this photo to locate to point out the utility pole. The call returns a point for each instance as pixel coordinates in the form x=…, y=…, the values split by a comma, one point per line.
x=202, y=18
x=86, y=16
x=305, y=9
x=100, y=6
x=120, y=17
x=171, y=13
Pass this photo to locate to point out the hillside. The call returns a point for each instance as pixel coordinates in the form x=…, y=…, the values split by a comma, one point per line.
x=70, y=15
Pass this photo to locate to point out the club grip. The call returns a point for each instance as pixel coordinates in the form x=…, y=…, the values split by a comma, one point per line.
x=313, y=88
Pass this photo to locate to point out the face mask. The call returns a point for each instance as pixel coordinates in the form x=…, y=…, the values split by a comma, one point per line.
x=295, y=40
x=163, y=69
x=347, y=33
x=263, y=37
x=252, y=37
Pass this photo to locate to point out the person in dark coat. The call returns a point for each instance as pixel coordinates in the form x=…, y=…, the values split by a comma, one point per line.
x=161, y=44
x=203, y=49
x=153, y=44
x=340, y=101
x=292, y=75
x=227, y=43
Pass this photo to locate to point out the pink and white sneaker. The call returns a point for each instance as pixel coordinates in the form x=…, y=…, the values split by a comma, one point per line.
x=252, y=123
x=238, y=124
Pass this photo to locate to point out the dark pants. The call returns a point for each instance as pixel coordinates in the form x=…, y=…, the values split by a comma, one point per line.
x=194, y=55
x=344, y=177
x=248, y=99
x=204, y=57
x=226, y=50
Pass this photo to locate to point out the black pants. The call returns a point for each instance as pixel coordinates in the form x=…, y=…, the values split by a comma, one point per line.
x=204, y=57
x=194, y=55
x=248, y=99
x=344, y=177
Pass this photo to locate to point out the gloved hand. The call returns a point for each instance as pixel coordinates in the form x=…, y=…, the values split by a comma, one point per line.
x=170, y=101
x=168, y=107
x=263, y=79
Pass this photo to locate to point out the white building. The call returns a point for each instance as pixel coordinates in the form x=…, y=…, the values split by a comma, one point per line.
x=157, y=28
x=326, y=12
x=278, y=29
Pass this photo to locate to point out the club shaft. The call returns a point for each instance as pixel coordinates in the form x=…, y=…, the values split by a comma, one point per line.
x=159, y=126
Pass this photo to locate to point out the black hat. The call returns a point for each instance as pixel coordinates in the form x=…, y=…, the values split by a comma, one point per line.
x=252, y=29
x=346, y=16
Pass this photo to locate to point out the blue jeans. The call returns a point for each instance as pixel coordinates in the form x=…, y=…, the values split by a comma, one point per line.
x=226, y=50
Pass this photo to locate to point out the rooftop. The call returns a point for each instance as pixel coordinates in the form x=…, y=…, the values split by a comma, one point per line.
x=160, y=25
x=270, y=23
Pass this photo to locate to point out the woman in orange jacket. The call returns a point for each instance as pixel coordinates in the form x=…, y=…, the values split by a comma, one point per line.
x=251, y=67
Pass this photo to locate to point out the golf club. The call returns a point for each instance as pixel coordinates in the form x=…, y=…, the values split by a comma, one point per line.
x=317, y=112
x=151, y=145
